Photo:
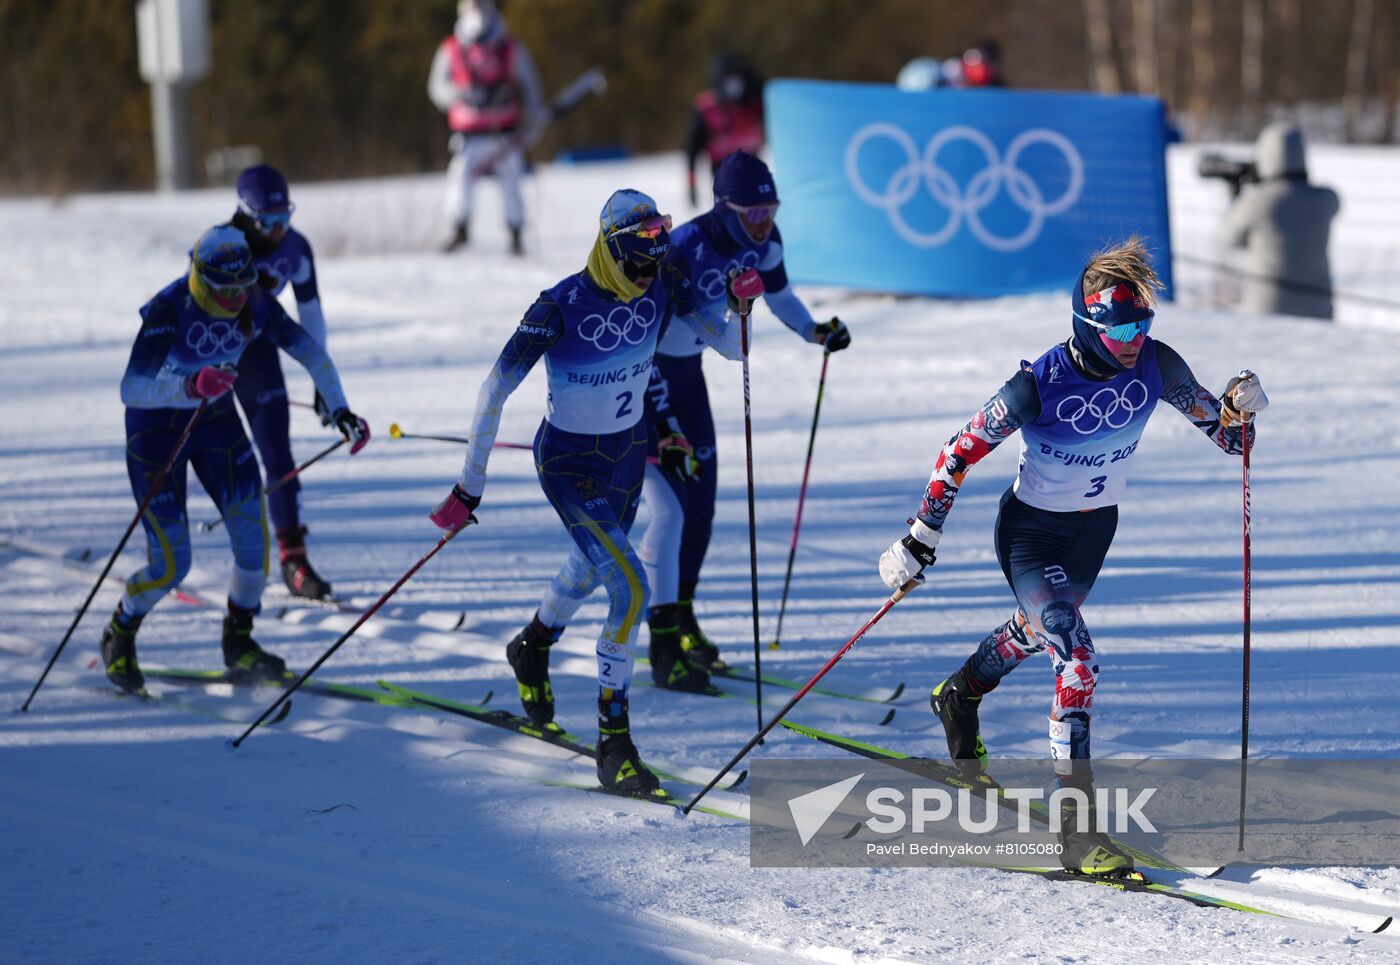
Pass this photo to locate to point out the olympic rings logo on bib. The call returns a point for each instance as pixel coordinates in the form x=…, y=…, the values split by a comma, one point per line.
x=623, y=324
x=1106, y=407
x=712, y=282
x=219, y=338
x=964, y=203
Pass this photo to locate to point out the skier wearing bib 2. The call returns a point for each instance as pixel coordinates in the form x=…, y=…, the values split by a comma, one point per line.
x=738, y=232
x=1081, y=408
x=193, y=335
x=596, y=331
x=281, y=254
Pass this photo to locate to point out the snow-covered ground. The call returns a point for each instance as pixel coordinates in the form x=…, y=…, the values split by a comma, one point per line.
x=371, y=833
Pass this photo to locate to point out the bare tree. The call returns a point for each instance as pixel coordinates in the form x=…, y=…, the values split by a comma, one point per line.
x=1363, y=23
x=1145, y=47
x=1288, y=42
x=1251, y=64
x=1387, y=78
x=1202, y=64
x=1106, y=77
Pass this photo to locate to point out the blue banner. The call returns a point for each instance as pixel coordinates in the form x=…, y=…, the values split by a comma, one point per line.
x=962, y=192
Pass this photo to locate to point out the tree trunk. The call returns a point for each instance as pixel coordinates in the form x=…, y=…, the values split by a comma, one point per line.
x=1252, y=65
x=1387, y=78
x=1103, y=65
x=1202, y=66
x=1288, y=42
x=1363, y=22
x=1145, y=47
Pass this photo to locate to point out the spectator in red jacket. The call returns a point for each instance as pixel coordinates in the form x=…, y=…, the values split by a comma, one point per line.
x=727, y=117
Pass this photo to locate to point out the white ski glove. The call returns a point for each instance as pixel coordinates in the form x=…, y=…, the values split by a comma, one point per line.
x=907, y=557
x=1243, y=398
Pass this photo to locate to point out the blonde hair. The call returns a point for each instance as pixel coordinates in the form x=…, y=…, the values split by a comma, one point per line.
x=1128, y=263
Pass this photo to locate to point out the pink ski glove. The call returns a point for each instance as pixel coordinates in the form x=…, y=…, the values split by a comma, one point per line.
x=743, y=286
x=210, y=383
x=455, y=511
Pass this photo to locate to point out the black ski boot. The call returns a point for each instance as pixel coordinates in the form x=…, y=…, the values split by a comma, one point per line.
x=671, y=667
x=1088, y=851
x=517, y=245
x=955, y=704
x=620, y=767
x=300, y=578
x=119, y=652
x=245, y=660
x=460, y=236
x=528, y=653
x=696, y=646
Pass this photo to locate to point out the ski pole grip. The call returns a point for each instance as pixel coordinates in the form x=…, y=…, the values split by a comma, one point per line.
x=904, y=590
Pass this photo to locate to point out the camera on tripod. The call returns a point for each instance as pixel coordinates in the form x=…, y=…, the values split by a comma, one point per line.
x=1236, y=173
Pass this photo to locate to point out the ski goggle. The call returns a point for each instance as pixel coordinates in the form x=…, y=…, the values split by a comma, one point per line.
x=1125, y=332
x=268, y=220
x=653, y=227
x=754, y=214
x=1117, y=313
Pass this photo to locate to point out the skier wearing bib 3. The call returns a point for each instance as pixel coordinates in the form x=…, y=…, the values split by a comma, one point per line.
x=738, y=232
x=596, y=331
x=1081, y=408
x=193, y=335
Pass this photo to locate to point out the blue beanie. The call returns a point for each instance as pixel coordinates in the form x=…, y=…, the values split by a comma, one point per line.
x=262, y=188
x=744, y=179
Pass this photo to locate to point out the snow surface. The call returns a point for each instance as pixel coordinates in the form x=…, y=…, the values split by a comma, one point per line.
x=367, y=833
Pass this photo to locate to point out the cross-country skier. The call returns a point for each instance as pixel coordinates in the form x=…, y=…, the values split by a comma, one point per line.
x=485, y=81
x=596, y=331
x=281, y=254
x=193, y=334
x=738, y=232
x=725, y=117
x=1081, y=408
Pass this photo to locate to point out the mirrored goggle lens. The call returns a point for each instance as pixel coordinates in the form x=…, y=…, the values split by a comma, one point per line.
x=756, y=214
x=1129, y=330
x=273, y=219
x=650, y=228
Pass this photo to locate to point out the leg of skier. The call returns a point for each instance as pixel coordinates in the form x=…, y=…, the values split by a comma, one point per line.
x=228, y=470
x=594, y=484
x=461, y=185
x=151, y=435
x=262, y=392
x=510, y=172
x=659, y=549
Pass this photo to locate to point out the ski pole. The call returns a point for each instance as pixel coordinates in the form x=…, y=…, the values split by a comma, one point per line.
x=359, y=622
x=753, y=526
x=209, y=525
x=1244, y=692
x=801, y=500
x=111, y=560
x=395, y=432
x=895, y=597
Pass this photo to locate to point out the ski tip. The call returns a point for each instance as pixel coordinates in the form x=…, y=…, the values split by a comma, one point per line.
x=898, y=690
x=1383, y=926
x=888, y=717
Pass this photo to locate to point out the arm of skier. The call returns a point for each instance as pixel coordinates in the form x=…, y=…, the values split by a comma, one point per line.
x=308, y=295
x=541, y=327
x=299, y=343
x=784, y=303
x=441, y=89
x=147, y=383
x=712, y=324
x=1015, y=404
x=1220, y=423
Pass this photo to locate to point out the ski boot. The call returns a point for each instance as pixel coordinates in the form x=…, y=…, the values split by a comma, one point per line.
x=245, y=660
x=528, y=653
x=671, y=667
x=300, y=578
x=699, y=651
x=517, y=244
x=954, y=703
x=459, y=238
x=1089, y=851
x=119, y=652
x=620, y=767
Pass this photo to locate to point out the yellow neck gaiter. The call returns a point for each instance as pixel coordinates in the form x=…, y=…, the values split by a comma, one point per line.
x=607, y=273
x=204, y=299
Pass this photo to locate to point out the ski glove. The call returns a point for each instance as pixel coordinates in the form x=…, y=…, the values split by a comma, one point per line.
x=210, y=382
x=1243, y=397
x=322, y=410
x=906, y=558
x=455, y=511
x=675, y=454
x=832, y=335
x=353, y=428
x=743, y=286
